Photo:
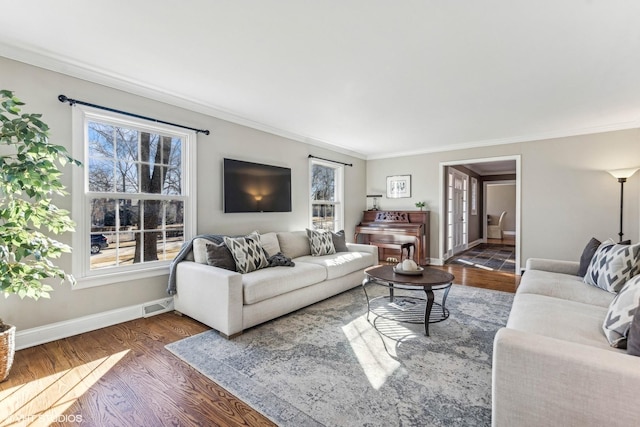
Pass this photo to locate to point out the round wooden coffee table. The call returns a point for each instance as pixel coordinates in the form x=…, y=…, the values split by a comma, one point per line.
x=408, y=308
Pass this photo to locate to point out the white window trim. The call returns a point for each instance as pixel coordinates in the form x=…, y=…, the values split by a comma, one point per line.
x=339, y=203
x=85, y=277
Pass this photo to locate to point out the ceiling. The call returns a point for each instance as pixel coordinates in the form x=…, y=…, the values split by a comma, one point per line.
x=374, y=78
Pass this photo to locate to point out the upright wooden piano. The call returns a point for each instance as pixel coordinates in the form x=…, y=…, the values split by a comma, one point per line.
x=390, y=229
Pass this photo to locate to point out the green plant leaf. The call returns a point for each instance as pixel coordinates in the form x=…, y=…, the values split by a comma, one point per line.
x=30, y=174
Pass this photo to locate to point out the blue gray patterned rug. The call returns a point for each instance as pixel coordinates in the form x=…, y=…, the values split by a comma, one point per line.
x=326, y=365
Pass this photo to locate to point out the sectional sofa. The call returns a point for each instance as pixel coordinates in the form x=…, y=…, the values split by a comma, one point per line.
x=230, y=302
x=553, y=364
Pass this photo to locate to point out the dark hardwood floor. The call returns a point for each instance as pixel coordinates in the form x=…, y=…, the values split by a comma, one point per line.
x=123, y=376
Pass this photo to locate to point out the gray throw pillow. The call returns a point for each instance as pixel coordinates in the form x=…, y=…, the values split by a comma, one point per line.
x=339, y=242
x=279, y=260
x=587, y=254
x=218, y=255
x=633, y=340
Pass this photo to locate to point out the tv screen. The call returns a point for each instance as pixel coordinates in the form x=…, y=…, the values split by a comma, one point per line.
x=254, y=187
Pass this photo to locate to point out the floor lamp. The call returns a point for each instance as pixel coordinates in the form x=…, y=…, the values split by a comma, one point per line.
x=622, y=175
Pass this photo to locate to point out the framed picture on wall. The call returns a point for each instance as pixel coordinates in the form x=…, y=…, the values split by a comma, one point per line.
x=398, y=186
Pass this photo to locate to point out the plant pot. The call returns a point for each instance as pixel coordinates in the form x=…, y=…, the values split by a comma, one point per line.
x=7, y=349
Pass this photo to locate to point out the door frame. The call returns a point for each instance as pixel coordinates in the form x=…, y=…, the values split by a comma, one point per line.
x=454, y=250
x=442, y=256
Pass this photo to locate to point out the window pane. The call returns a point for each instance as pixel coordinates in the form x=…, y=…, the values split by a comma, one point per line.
x=154, y=149
x=152, y=214
x=323, y=183
x=127, y=177
x=323, y=217
x=100, y=140
x=172, y=181
x=174, y=220
x=101, y=176
x=126, y=249
x=127, y=144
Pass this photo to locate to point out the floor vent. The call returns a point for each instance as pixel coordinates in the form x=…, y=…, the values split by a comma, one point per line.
x=156, y=307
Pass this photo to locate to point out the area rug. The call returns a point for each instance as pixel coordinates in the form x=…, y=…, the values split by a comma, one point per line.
x=327, y=365
x=488, y=256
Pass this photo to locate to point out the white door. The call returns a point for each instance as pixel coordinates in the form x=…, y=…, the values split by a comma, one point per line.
x=457, y=218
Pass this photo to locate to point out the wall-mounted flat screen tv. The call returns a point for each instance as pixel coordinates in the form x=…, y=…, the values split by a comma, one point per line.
x=255, y=187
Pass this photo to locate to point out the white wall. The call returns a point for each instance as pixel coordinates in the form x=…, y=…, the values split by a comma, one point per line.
x=40, y=88
x=567, y=195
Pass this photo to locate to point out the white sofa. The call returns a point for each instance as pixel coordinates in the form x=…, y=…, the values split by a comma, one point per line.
x=552, y=364
x=231, y=302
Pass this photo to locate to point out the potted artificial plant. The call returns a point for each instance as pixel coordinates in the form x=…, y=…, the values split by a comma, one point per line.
x=29, y=179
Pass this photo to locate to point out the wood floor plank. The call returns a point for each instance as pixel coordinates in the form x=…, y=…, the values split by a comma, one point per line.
x=123, y=375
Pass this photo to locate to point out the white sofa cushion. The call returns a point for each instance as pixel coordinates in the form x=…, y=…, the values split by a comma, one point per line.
x=558, y=318
x=200, y=250
x=269, y=242
x=294, y=244
x=269, y=282
x=564, y=286
x=341, y=263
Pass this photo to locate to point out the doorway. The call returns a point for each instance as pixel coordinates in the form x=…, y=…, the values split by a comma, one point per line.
x=470, y=199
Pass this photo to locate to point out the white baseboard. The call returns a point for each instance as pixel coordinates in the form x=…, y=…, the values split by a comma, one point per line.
x=436, y=261
x=509, y=233
x=67, y=328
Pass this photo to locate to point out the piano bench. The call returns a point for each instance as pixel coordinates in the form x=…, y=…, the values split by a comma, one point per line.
x=409, y=247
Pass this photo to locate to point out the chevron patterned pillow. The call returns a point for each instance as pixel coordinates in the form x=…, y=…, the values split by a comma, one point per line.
x=612, y=265
x=247, y=253
x=620, y=315
x=321, y=242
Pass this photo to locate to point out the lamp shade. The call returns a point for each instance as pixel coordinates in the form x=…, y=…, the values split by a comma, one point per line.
x=623, y=173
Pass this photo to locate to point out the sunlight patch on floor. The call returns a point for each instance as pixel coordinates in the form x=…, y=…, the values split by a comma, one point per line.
x=464, y=261
x=376, y=360
x=45, y=400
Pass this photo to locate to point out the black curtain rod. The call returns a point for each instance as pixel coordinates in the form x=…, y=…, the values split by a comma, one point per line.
x=72, y=102
x=328, y=160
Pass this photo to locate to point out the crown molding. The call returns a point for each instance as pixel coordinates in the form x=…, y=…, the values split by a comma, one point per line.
x=67, y=66
x=514, y=140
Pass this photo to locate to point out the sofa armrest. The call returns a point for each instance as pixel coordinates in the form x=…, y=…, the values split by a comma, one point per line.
x=211, y=295
x=553, y=266
x=539, y=380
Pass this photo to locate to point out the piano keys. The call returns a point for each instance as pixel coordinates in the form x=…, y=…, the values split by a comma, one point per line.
x=390, y=229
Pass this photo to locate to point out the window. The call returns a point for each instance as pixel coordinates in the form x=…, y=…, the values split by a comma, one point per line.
x=132, y=198
x=326, y=189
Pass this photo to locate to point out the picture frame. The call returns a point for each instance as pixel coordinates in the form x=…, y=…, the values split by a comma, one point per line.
x=398, y=186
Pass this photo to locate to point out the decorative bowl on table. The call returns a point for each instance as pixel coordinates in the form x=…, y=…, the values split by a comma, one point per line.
x=416, y=272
